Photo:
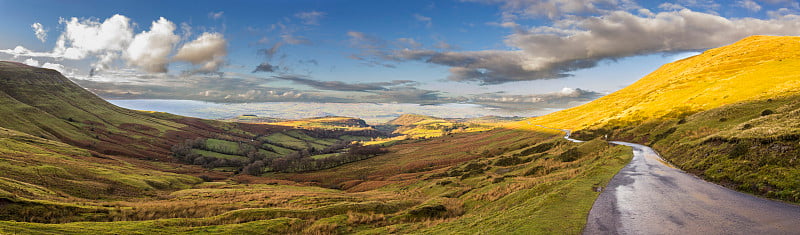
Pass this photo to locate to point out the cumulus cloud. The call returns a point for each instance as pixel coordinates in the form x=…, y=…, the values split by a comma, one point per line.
x=310, y=17
x=208, y=50
x=54, y=66
x=149, y=50
x=342, y=86
x=39, y=31
x=82, y=38
x=112, y=39
x=32, y=62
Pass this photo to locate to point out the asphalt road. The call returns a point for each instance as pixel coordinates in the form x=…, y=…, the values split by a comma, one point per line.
x=648, y=196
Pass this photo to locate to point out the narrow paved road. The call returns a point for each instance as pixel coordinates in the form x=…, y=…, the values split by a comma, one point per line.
x=648, y=196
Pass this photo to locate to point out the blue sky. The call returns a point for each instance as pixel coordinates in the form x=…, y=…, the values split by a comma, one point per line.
x=533, y=53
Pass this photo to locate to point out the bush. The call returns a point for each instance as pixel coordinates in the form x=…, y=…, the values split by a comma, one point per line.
x=739, y=150
x=508, y=161
x=206, y=178
x=747, y=126
x=569, y=155
x=537, y=149
x=766, y=112
x=437, y=211
x=256, y=168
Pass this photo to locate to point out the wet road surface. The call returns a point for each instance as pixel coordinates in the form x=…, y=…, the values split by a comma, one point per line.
x=648, y=196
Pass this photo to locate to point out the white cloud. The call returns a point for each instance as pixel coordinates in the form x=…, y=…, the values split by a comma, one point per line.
x=621, y=34
x=84, y=37
x=574, y=43
x=112, y=39
x=54, y=66
x=149, y=50
x=749, y=5
x=311, y=17
x=216, y=15
x=57, y=67
x=32, y=62
x=209, y=50
x=40, y=32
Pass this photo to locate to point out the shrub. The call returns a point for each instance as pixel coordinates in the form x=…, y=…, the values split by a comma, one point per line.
x=569, y=155
x=747, y=126
x=739, y=150
x=206, y=178
x=537, y=149
x=437, y=211
x=766, y=112
x=509, y=161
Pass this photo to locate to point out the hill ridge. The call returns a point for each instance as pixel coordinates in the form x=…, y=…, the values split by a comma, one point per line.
x=750, y=69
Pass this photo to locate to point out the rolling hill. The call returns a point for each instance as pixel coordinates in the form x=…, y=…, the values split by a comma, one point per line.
x=729, y=115
x=75, y=164
x=757, y=67
x=44, y=103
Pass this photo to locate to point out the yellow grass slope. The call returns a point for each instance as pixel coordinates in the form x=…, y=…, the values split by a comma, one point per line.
x=757, y=67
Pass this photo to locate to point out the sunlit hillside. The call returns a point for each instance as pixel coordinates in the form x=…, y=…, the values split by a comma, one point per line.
x=753, y=68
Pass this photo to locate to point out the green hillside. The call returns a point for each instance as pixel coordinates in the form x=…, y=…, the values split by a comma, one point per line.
x=75, y=164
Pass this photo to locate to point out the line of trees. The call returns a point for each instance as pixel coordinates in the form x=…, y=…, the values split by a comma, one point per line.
x=255, y=162
x=301, y=161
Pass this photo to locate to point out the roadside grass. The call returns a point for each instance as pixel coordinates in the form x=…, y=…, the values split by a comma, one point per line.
x=541, y=205
x=735, y=145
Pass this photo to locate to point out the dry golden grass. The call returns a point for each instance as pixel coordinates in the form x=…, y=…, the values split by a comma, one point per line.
x=754, y=68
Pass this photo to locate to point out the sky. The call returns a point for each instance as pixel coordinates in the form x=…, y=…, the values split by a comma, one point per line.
x=518, y=53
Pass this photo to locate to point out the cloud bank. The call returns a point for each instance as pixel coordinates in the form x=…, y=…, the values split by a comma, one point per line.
x=582, y=33
x=113, y=39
